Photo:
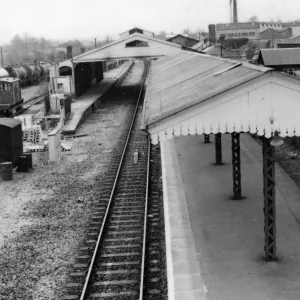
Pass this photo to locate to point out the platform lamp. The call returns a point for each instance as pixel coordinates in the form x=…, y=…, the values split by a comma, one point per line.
x=221, y=38
x=276, y=140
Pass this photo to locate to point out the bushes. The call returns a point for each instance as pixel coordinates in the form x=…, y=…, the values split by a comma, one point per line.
x=235, y=43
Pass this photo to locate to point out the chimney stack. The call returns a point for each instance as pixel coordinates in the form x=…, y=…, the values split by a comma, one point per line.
x=82, y=50
x=69, y=52
x=235, y=17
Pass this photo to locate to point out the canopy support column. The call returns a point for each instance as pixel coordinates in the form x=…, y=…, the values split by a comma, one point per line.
x=236, y=165
x=206, y=138
x=218, y=148
x=269, y=200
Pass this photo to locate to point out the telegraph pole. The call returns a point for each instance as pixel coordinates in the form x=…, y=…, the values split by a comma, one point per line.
x=2, y=64
x=95, y=43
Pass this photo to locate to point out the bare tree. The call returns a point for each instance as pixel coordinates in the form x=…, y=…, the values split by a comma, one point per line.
x=253, y=19
x=186, y=31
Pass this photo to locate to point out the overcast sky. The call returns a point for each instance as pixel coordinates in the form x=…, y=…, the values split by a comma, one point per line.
x=86, y=19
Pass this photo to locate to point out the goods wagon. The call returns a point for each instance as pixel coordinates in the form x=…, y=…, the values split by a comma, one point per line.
x=28, y=74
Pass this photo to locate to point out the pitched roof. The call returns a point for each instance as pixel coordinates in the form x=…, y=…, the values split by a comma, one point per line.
x=9, y=122
x=180, y=35
x=180, y=81
x=279, y=56
x=117, y=49
x=291, y=40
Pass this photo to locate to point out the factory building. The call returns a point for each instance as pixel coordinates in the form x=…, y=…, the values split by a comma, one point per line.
x=249, y=30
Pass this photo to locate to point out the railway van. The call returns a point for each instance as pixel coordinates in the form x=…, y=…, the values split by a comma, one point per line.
x=10, y=95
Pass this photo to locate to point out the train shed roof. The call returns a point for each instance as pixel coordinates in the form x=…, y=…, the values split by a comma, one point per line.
x=193, y=93
x=146, y=46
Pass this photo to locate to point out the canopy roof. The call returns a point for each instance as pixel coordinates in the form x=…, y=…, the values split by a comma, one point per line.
x=120, y=49
x=279, y=56
x=193, y=93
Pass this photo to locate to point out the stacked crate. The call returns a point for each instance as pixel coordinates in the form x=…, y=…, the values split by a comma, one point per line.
x=32, y=134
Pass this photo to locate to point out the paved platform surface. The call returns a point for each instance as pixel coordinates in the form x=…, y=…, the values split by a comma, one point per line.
x=87, y=99
x=215, y=245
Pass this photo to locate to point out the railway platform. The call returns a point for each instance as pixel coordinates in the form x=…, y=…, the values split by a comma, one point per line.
x=84, y=104
x=214, y=244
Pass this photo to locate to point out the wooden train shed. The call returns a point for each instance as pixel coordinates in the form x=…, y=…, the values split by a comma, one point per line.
x=190, y=93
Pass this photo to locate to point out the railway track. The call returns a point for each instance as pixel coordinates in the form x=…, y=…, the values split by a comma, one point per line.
x=112, y=261
x=29, y=103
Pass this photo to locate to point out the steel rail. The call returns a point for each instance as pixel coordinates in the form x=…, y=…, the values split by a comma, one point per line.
x=145, y=225
x=83, y=293
x=24, y=109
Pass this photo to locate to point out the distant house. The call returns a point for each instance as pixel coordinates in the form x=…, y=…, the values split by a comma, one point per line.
x=183, y=40
x=282, y=60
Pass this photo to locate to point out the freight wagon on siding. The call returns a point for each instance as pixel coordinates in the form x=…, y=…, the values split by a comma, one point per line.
x=28, y=74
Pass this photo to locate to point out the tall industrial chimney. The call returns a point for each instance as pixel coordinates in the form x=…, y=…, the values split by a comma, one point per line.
x=235, y=17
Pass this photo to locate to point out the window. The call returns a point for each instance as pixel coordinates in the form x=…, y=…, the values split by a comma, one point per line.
x=251, y=33
x=290, y=71
x=245, y=34
x=135, y=30
x=230, y=34
x=237, y=34
x=137, y=43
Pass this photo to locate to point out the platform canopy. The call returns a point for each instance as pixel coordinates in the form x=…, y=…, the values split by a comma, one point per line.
x=135, y=45
x=193, y=93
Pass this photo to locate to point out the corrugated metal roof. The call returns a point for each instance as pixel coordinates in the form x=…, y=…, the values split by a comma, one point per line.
x=117, y=49
x=180, y=81
x=280, y=56
x=9, y=122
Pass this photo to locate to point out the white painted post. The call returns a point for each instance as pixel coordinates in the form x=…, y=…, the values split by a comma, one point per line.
x=54, y=144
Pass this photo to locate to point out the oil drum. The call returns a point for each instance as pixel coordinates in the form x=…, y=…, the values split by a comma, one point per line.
x=6, y=171
x=29, y=158
x=23, y=164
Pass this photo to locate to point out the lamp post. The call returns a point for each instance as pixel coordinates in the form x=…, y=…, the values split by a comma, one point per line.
x=221, y=38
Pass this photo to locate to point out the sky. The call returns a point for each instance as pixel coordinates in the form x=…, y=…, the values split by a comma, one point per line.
x=87, y=19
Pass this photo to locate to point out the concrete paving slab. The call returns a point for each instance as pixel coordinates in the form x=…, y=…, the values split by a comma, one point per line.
x=226, y=235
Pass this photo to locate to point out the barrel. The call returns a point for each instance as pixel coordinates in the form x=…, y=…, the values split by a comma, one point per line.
x=29, y=158
x=23, y=164
x=6, y=171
